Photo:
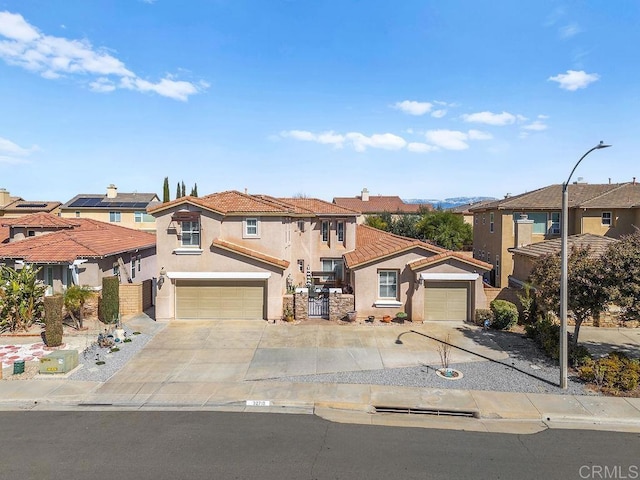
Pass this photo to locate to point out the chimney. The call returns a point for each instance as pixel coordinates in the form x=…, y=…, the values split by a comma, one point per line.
x=365, y=195
x=5, y=198
x=112, y=191
x=634, y=180
x=524, y=231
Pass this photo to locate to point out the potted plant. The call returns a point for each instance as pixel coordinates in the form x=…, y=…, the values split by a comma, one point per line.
x=386, y=318
x=401, y=316
x=352, y=315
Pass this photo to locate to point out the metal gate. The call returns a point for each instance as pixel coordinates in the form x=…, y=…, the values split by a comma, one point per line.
x=319, y=303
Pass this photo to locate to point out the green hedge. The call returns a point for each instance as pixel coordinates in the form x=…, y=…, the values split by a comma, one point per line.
x=110, y=303
x=505, y=314
x=53, y=320
x=546, y=333
x=613, y=373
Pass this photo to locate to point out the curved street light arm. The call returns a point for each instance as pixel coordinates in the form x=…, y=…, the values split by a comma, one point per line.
x=597, y=147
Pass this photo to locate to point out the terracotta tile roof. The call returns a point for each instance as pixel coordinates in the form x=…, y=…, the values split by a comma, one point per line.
x=4, y=234
x=550, y=197
x=373, y=244
x=318, y=207
x=39, y=220
x=88, y=240
x=247, y=252
x=597, y=243
x=441, y=257
x=379, y=204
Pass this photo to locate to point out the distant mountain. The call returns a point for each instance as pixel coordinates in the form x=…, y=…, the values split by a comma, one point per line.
x=448, y=202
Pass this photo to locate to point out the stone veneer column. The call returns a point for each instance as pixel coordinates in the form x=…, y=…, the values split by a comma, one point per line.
x=339, y=305
x=301, y=304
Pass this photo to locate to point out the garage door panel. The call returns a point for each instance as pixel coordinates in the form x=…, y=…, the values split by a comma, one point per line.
x=446, y=301
x=220, y=300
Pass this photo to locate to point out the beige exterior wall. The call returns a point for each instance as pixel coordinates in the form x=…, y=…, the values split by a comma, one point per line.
x=410, y=290
x=127, y=218
x=622, y=221
x=522, y=266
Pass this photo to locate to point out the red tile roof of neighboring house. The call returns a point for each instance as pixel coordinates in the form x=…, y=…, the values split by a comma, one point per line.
x=236, y=203
x=247, y=252
x=581, y=195
x=373, y=244
x=379, y=204
x=441, y=257
x=39, y=220
x=4, y=234
x=90, y=239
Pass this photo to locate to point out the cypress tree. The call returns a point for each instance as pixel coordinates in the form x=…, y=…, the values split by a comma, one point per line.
x=194, y=190
x=184, y=193
x=178, y=191
x=165, y=190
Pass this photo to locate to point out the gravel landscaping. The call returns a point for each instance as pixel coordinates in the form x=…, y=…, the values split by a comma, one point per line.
x=526, y=370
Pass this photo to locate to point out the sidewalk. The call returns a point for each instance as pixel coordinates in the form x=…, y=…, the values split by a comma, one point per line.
x=230, y=367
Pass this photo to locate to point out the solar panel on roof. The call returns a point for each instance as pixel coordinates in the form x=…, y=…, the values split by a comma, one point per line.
x=31, y=205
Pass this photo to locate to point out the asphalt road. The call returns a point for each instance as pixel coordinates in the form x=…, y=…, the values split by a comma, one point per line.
x=214, y=445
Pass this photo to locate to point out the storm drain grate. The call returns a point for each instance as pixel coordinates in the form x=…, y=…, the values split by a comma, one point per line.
x=426, y=411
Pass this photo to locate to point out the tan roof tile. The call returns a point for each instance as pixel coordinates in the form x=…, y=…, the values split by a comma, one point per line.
x=247, y=252
x=441, y=257
x=41, y=220
x=597, y=243
x=89, y=239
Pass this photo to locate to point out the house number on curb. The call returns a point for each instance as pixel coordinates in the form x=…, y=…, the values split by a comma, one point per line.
x=258, y=403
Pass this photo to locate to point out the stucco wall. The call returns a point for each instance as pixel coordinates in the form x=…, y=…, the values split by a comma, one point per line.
x=127, y=219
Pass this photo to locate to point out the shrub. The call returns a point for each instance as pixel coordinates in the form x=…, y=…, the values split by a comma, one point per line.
x=74, y=299
x=527, y=300
x=53, y=320
x=21, y=298
x=110, y=304
x=483, y=314
x=505, y=314
x=614, y=373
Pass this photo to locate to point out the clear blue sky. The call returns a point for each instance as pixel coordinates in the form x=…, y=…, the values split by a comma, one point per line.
x=423, y=99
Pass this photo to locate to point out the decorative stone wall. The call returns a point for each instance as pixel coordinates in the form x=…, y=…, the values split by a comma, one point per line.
x=301, y=304
x=287, y=303
x=339, y=305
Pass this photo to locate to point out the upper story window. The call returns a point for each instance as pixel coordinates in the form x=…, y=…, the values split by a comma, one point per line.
x=77, y=214
x=540, y=221
x=554, y=228
x=388, y=284
x=491, y=223
x=251, y=227
x=301, y=225
x=484, y=219
x=31, y=233
x=301, y=265
x=140, y=217
x=606, y=218
x=190, y=233
x=340, y=230
x=133, y=267
x=139, y=261
x=325, y=230
x=475, y=218
x=334, y=265
x=114, y=217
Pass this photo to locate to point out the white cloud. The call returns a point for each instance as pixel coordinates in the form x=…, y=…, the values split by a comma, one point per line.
x=478, y=135
x=439, y=113
x=12, y=153
x=385, y=141
x=490, y=118
x=448, y=139
x=418, y=147
x=536, y=126
x=413, y=108
x=543, y=117
x=573, y=80
x=54, y=57
x=569, y=31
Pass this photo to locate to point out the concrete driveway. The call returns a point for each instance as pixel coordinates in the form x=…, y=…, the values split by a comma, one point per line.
x=221, y=359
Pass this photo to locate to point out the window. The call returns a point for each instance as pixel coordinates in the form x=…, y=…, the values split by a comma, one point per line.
x=133, y=268
x=325, y=230
x=251, y=227
x=190, y=234
x=301, y=225
x=539, y=221
x=340, y=231
x=114, y=217
x=491, y=222
x=301, y=265
x=116, y=270
x=554, y=229
x=77, y=214
x=140, y=217
x=333, y=265
x=31, y=233
x=139, y=261
x=488, y=257
x=475, y=218
x=606, y=218
x=388, y=284
x=498, y=267
x=484, y=219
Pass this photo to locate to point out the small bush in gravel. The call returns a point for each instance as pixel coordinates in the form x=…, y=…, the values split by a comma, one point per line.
x=53, y=320
x=545, y=331
x=505, y=314
x=110, y=304
x=483, y=314
x=614, y=373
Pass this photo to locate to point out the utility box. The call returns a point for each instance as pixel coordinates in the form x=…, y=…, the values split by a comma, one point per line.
x=59, y=361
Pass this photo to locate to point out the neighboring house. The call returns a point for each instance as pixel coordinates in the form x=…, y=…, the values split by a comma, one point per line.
x=525, y=257
x=375, y=205
x=125, y=209
x=609, y=210
x=466, y=213
x=391, y=273
x=12, y=207
x=78, y=251
x=231, y=255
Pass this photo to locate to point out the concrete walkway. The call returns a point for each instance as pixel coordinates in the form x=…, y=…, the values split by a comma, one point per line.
x=227, y=365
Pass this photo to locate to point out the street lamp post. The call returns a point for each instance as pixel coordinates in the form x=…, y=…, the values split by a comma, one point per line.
x=564, y=267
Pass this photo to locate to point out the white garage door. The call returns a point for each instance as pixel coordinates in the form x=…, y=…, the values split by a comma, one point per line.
x=446, y=301
x=219, y=300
